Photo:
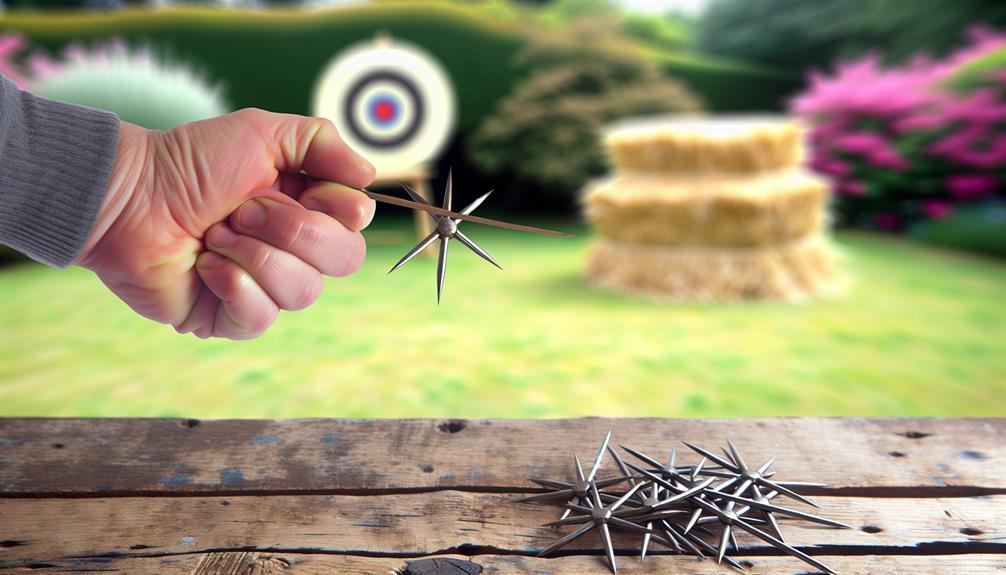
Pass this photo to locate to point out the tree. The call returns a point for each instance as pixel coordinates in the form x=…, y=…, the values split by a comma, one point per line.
x=544, y=136
x=800, y=34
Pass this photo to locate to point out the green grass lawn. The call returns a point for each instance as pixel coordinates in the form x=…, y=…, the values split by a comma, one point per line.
x=918, y=332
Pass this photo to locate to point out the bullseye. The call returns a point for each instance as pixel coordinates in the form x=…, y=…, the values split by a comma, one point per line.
x=384, y=110
x=391, y=102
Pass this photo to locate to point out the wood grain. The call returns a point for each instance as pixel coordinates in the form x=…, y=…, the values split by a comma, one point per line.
x=40, y=530
x=864, y=457
x=252, y=563
x=310, y=497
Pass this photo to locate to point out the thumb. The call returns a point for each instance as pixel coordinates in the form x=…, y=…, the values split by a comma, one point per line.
x=312, y=145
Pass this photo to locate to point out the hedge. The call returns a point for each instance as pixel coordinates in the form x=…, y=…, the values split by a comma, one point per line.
x=271, y=59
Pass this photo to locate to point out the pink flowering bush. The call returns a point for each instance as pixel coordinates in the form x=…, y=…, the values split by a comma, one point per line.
x=911, y=143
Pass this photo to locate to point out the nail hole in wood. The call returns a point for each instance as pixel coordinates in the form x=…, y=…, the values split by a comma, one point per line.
x=58, y=446
x=897, y=453
x=915, y=434
x=426, y=467
x=451, y=426
x=871, y=529
x=747, y=564
x=190, y=423
x=971, y=531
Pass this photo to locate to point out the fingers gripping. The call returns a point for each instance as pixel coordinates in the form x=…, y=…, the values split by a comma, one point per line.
x=292, y=283
x=245, y=310
x=312, y=236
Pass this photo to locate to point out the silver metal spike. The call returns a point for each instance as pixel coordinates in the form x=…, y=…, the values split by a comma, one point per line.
x=478, y=202
x=416, y=197
x=441, y=266
x=415, y=251
x=450, y=189
x=468, y=243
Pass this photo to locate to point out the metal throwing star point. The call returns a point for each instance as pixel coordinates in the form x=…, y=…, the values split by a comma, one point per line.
x=446, y=229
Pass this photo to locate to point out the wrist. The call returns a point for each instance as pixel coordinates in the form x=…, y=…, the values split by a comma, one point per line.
x=130, y=162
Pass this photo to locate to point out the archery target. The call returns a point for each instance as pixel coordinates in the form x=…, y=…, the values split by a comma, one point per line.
x=392, y=103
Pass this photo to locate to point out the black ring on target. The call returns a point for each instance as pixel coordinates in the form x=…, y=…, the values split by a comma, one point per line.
x=417, y=106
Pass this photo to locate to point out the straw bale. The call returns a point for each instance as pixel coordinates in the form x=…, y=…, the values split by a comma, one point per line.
x=699, y=145
x=785, y=272
x=752, y=210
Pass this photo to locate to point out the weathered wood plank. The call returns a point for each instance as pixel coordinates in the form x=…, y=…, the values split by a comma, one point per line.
x=241, y=563
x=42, y=530
x=901, y=457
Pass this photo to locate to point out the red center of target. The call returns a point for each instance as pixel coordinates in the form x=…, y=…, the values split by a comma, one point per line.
x=384, y=110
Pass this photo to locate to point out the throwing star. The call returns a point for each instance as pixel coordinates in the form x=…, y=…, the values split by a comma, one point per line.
x=446, y=229
x=577, y=491
x=596, y=516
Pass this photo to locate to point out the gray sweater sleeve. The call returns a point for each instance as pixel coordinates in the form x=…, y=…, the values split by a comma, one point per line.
x=55, y=163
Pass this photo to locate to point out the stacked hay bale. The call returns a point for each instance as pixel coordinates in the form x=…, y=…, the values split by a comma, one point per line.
x=710, y=209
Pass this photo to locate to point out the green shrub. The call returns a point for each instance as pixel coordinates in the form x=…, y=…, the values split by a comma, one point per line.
x=978, y=229
x=139, y=86
x=544, y=135
x=802, y=34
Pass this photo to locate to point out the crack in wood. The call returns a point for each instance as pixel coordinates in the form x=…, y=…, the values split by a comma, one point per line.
x=886, y=492
x=235, y=561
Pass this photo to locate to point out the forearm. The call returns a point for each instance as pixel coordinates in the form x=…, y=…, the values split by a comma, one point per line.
x=55, y=164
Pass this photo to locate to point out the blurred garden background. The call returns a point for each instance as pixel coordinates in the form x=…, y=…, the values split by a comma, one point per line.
x=906, y=104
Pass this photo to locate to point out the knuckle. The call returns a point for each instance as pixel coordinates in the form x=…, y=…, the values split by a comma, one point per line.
x=292, y=233
x=232, y=281
x=261, y=257
x=251, y=112
x=307, y=293
x=326, y=124
x=305, y=232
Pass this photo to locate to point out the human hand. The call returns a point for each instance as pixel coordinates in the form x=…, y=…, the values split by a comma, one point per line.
x=211, y=227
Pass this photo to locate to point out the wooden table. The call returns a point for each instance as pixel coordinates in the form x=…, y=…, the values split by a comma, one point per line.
x=354, y=497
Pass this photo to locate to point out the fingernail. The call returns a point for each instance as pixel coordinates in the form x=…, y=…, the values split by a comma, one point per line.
x=314, y=205
x=221, y=236
x=368, y=214
x=251, y=214
x=210, y=260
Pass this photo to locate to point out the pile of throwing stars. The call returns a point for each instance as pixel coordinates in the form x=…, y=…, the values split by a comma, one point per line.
x=694, y=509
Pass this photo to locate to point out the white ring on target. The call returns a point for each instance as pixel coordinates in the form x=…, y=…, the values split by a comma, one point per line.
x=343, y=74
